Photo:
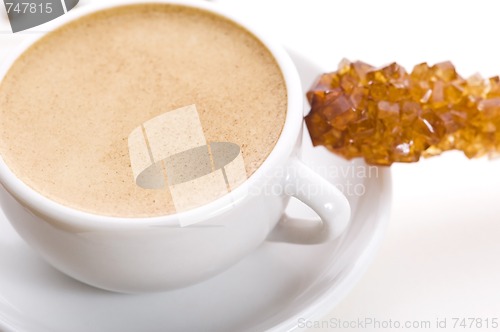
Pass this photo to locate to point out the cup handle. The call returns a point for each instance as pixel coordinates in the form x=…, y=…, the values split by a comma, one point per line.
x=323, y=197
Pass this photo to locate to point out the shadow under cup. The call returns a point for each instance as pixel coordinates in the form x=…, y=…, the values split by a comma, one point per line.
x=166, y=252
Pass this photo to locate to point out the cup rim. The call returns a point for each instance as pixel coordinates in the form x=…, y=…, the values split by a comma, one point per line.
x=282, y=150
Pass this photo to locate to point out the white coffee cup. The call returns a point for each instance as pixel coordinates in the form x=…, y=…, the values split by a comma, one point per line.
x=154, y=254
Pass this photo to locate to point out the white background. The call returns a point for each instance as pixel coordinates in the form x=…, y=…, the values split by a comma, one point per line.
x=440, y=257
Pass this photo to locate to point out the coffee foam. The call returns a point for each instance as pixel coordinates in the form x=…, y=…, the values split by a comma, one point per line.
x=70, y=102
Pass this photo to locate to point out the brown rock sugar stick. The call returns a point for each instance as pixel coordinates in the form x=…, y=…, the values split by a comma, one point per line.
x=388, y=115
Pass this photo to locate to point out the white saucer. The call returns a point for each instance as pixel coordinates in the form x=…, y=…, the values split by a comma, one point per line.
x=269, y=290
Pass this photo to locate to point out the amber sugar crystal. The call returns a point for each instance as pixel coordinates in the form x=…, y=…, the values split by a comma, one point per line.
x=387, y=115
